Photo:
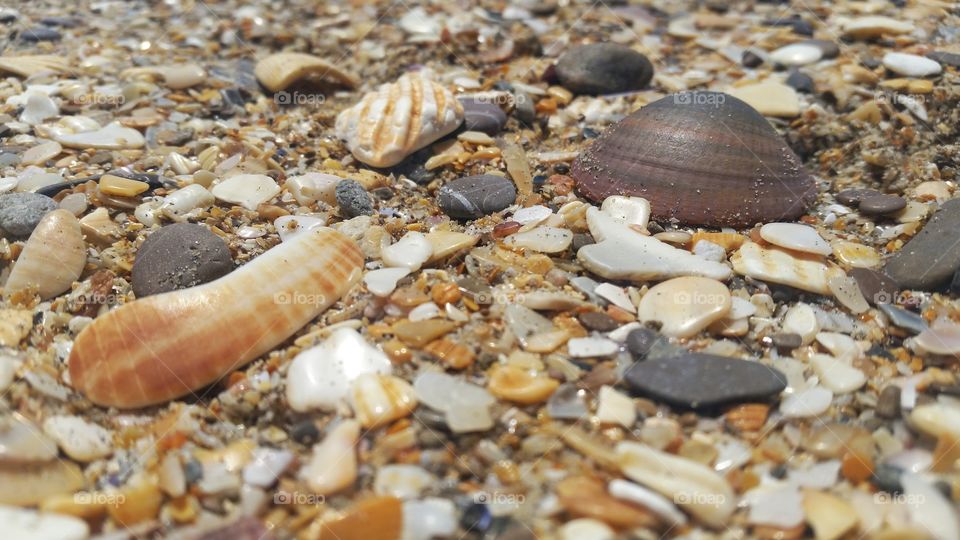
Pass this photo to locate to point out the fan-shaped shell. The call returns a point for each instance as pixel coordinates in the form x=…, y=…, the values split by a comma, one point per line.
x=704, y=158
x=278, y=71
x=398, y=119
x=53, y=257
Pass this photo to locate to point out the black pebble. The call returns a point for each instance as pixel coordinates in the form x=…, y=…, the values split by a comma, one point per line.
x=886, y=477
x=179, y=256
x=353, y=199
x=801, y=82
x=597, y=320
x=305, y=432
x=751, y=59
x=473, y=197
x=640, y=341
x=480, y=115
x=603, y=68
x=40, y=33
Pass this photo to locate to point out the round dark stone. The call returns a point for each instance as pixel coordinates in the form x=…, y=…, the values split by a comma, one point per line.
x=476, y=518
x=852, y=197
x=929, y=260
x=751, y=59
x=801, y=82
x=523, y=109
x=878, y=205
x=597, y=320
x=876, y=287
x=582, y=239
x=603, y=68
x=698, y=381
x=40, y=33
x=473, y=197
x=786, y=341
x=305, y=432
x=888, y=404
x=353, y=199
x=21, y=212
x=945, y=58
x=63, y=22
x=886, y=477
x=192, y=471
x=798, y=25
x=179, y=256
x=640, y=341
x=480, y=115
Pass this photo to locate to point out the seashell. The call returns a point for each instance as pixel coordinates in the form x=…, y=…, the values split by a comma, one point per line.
x=704, y=158
x=110, y=137
x=177, y=77
x=398, y=119
x=378, y=399
x=30, y=65
x=333, y=464
x=779, y=266
x=164, y=346
x=53, y=257
x=278, y=71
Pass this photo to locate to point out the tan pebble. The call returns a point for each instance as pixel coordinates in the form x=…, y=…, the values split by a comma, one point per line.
x=699, y=451
x=932, y=190
x=121, y=187
x=779, y=266
x=855, y=254
x=519, y=385
x=912, y=213
x=729, y=241
x=847, y=292
x=136, y=503
x=447, y=243
x=685, y=305
x=373, y=518
x=419, y=333
x=279, y=71
x=97, y=227
x=397, y=351
x=15, y=325
x=84, y=504
x=39, y=154
x=445, y=293
x=476, y=137
x=379, y=399
x=453, y=354
x=28, y=485
x=53, y=257
x=830, y=516
x=183, y=509
x=747, y=416
x=587, y=497
x=333, y=464
x=674, y=237
x=614, y=407
x=770, y=98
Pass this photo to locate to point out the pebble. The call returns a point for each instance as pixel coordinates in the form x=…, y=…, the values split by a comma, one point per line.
x=480, y=115
x=247, y=190
x=888, y=403
x=409, y=252
x=801, y=82
x=779, y=266
x=312, y=187
x=40, y=33
x=586, y=529
x=876, y=287
x=855, y=254
x=911, y=65
x=568, y=402
x=378, y=399
x=615, y=295
x=41, y=153
x=321, y=377
x=935, y=245
x=603, y=68
x=786, y=341
x=21, y=212
x=179, y=256
x=79, y=439
x=28, y=524
x=685, y=305
x=111, y=137
x=288, y=227
x=622, y=253
x=847, y=292
x=429, y=518
x=750, y=59
x=519, y=385
x=795, y=236
x=179, y=204
x=813, y=401
x=466, y=406
x=770, y=98
x=945, y=58
x=22, y=442
x=942, y=338
x=903, y=318
x=881, y=205
x=830, y=49
x=797, y=54
x=353, y=199
x=615, y=408
x=836, y=375
x=873, y=26
x=383, y=282
x=929, y=508
x=628, y=210
x=265, y=466
x=801, y=320
x=830, y=516
x=651, y=500
x=695, y=380
x=542, y=239
x=640, y=341
x=402, y=481
x=473, y=197
x=591, y=347
x=531, y=216
x=333, y=463
x=597, y=320
x=447, y=243
x=852, y=197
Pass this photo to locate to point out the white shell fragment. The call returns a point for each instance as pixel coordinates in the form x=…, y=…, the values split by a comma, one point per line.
x=797, y=54
x=837, y=375
x=247, y=190
x=333, y=464
x=312, y=187
x=806, y=403
x=910, y=65
x=181, y=202
x=409, y=252
x=79, y=439
x=174, y=76
x=685, y=305
x=383, y=282
x=467, y=406
x=622, y=253
x=278, y=71
x=38, y=108
x=589, y=347
x=320, y=377
x=542, y=239
x=629, y=210
x=795, y=236
x=615, y=408
x=24, y=523
x=289, y=226
x=778, y=266
x=802, y=320
x=388, y=125
x=111, y=137
x=624, y=489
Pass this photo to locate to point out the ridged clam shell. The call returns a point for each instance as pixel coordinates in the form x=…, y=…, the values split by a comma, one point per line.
x=279, y=71
x=53, y=257
x=29, y=65
x=398, y=119
x=165, y=346
x=704, y=158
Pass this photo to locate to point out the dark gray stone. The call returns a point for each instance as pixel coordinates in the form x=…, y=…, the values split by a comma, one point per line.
x=876, y=287
x=751, y=59
x=879, y=205
x=801, y=82
x=786, y=341
x=603, y=68
x=903, y=318
x=179, y=256
x=945, y=58
x=568, y=403
x=523, y=109
x=40, y=33
x=473, y=197
x=852, y=197
x=640, y=341
x=829, y=48
x=479, y=115
x=697, y=381
x=929, y=260
x=886, y=477
x=597, y=320
x=21, y=212
x=353, y=199
x=888, y=404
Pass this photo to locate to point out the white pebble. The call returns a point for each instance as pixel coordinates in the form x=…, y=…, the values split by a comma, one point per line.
x=402, y=481
x=39, y=107
x=247, y=190
x=409, y=252
x=837, y=375
x=542, y=239
x=615, y=295
x=795, y=236
x=709, y=251
x=312, y=187
x=627, y=490
x=266, y=466
x=27, y=524
x=810, y=402
x=430, y=518
x=383, y=282
x=628, y=210
x=840, y=346
x=178, y=204
x=79, y=439
x=586, y=529
x=910, y=65
x=466, y=405
x=616, y=408
x=797, y=54
x=532, y=214
x=801, y=319
x=424, y=312
x=589, y=347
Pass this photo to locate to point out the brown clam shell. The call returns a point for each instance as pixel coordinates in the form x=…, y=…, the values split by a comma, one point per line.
x=704, y=158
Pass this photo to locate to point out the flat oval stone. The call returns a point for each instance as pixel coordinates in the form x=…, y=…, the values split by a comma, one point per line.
x=943, y=57
x=481, y=115
x=179, y=256
x=878, y=205
x=21, y=212
x=797, y=54
x=910, y=65
x=473, y=197
x=934, y=249
x=603, y=68
x=801, y=82
x=697, y=381
x=852, y=197
x=685, y=305
x=795, y=236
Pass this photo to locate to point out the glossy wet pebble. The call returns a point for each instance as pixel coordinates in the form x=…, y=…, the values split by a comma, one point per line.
x=880, y=205
x=21, y=212
x=603, y=68
x=695, y=380
x=911, y=65
x=473, y=197
x=179, y=256
x=934, y=248
x=685, y=305
x=480, y=115
x=797, y=54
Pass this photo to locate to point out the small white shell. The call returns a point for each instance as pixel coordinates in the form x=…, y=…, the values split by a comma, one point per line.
x=398, y=119
x=53, y=257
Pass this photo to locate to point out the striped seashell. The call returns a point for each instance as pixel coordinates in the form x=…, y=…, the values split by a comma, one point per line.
x=165, y=346
x=278, y=71
x=53, y=257
x=30, y=65
x=398, y=119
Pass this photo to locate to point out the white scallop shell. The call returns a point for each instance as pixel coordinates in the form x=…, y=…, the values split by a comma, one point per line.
x=53, y=257
x=398, y=119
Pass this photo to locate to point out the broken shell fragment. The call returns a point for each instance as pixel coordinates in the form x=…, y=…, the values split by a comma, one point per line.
x=398, y=119
x=158, y=348
x=278, y=71
x=30, y=65
x=779, y=266
x=703, y=158
x=53, y=257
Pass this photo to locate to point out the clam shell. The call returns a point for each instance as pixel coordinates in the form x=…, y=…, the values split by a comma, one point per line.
x=704, y=158
x=53, y=257
x=398, y=119
x=29, y=65
x=279, y=71
x=164, y=346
